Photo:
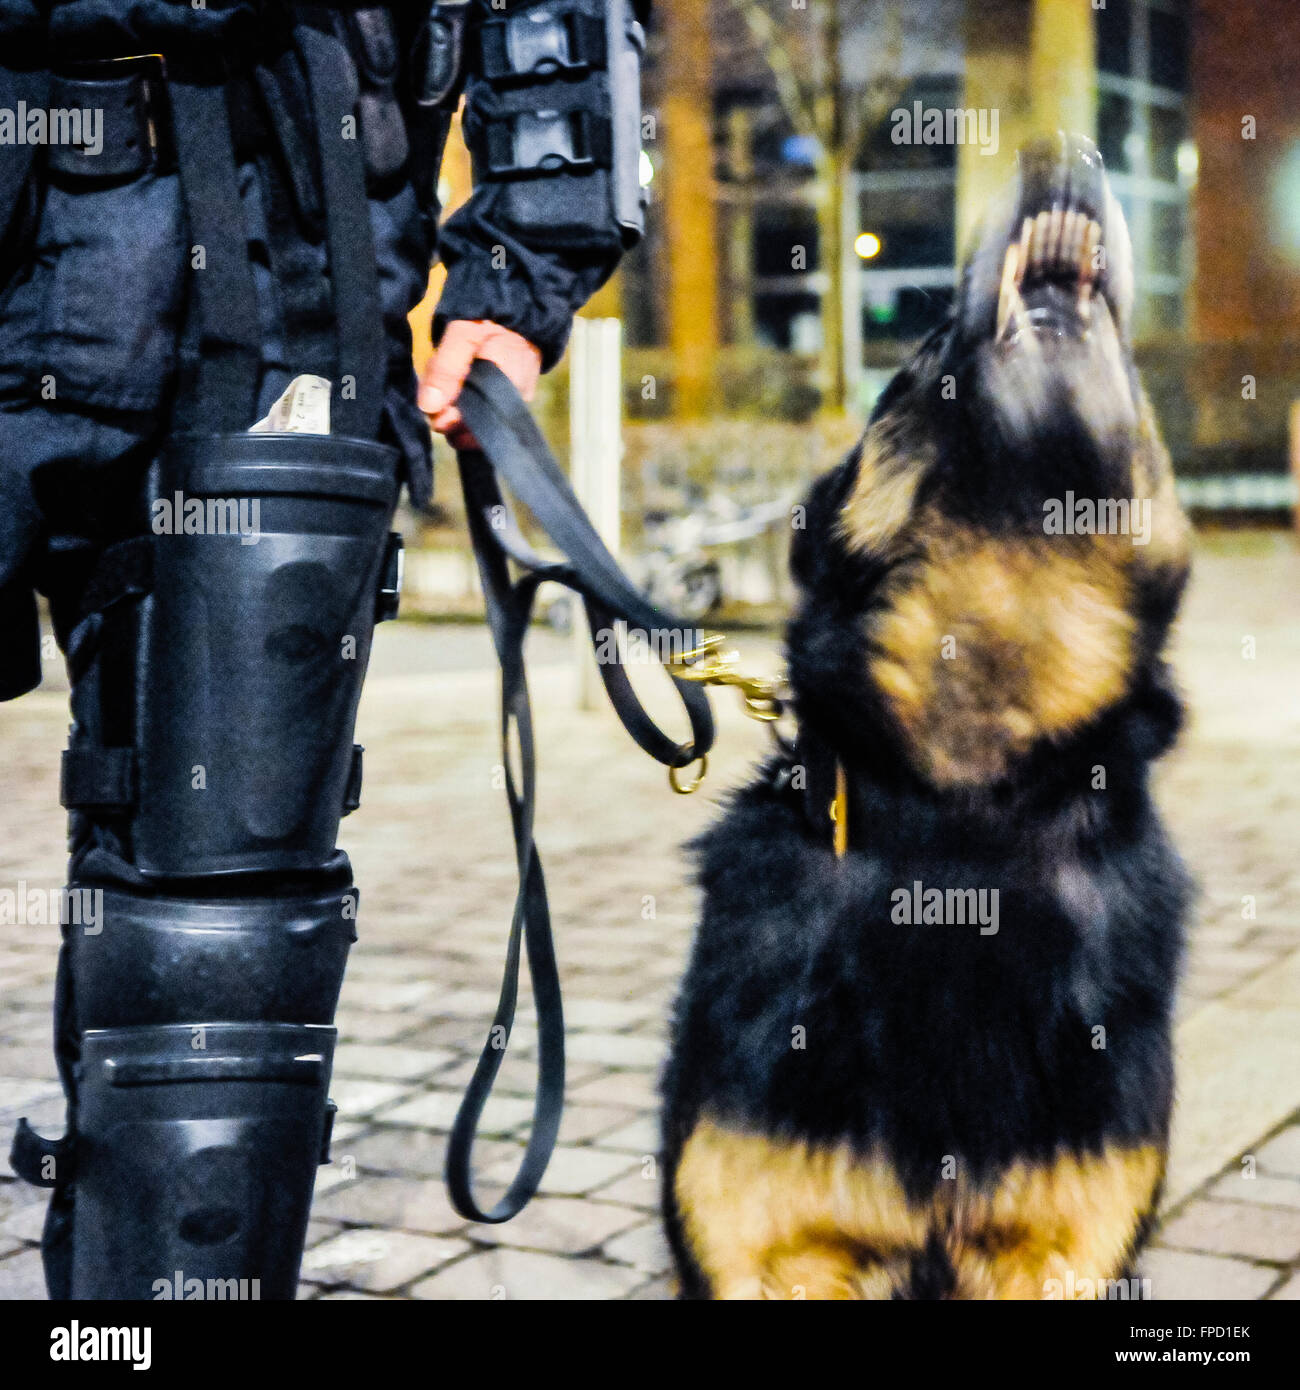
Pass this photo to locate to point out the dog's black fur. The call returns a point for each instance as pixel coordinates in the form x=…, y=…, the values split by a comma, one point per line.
x=933, y=1045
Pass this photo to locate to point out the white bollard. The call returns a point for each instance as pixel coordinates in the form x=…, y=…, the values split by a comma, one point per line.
x=1294, y=431
x=595, y=459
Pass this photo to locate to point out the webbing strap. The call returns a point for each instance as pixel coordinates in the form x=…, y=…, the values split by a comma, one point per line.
x=514, y=448
x=363, y=356
x=295, y=219
x=221, y=358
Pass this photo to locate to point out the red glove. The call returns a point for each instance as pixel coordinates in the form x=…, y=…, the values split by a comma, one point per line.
x=463, y=341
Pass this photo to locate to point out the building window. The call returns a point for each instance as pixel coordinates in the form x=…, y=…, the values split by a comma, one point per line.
x=1114, y=27
x=1142, y=79
x=907, y=200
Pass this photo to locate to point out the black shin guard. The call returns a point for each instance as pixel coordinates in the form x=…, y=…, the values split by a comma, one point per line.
x=214, y=694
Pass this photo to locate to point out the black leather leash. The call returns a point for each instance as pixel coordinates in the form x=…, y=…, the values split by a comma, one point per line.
x=514, y=450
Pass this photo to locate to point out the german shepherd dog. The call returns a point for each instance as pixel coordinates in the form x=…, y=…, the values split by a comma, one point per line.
x=922, y=1048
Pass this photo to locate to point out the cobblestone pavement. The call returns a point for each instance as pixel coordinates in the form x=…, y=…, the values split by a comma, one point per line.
x=431, y=852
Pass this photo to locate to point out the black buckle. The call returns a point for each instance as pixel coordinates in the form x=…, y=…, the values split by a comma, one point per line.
x=352, y=791
x=37, y=1159
x=541, y=43
x=390, y=586
x=95, y=777
x=539, y=142
x=130, y=97
x=327, y=1131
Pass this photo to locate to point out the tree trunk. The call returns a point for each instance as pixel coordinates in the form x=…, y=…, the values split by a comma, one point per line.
x=830, y=222
x=690, y=206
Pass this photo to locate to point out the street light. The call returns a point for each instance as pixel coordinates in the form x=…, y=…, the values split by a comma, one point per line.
x=867, y=245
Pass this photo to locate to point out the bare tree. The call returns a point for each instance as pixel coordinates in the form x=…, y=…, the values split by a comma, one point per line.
x=837, y=97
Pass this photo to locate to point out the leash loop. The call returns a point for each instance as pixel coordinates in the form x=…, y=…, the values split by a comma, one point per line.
x=515, y=450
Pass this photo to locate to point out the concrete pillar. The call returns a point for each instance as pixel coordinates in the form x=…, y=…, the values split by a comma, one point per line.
x=689, y=203
x=595, y=460
x=1034, y=63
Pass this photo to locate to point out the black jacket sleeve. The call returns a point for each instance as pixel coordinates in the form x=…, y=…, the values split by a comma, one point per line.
x=494, y=274
x=527, y=253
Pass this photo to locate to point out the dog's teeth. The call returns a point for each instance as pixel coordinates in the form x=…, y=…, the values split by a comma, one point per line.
x=1052, y=240
x=1055, y=238
x=1080, y=237
x=1087, y=270
x=1009, y=291
x=1022, y=250
x=1090, y=241
x=1069, y=255
x=1039, y=242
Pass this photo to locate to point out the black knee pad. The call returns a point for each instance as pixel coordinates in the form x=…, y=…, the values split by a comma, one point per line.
x=199, y=1035
x=226, y=747
x=161, y=960
x=196, y=1150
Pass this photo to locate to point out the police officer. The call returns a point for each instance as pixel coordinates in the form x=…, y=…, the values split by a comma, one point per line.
x=198, y=204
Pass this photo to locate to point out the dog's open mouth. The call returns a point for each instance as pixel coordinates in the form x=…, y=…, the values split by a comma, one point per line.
x=1054, y=253
x=1050, y=274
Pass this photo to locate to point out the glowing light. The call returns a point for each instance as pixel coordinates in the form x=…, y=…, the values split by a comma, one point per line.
x=646, y=170
x=867, y=245
x=1189, y=160
x=1284, y=226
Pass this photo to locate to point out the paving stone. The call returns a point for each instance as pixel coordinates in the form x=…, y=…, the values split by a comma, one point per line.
x=357, y=1098
x=396, y=994
x=359, y=1026
x=518, y=1074
x=378, y=1261
x=582, y=1123
x=409, y=1204
x=26, y=1223
x=605, y=1014
x=318, y=1230
x=525, y=1275
x=332, y=1175
x=1236, y=1228
x=643, y=1246
x=639, y=1188
x=616, y=1050
x=1281, y=1154
x=656, y=1290
x=1177, y=1275
x=561, y=1225
x=437, y=1110
x=635, y=1089
x=17, y=1092
x=22, y=1276
x=390, y=1063
x=22, y=1210
x=34, y=1063
x=572, y=1172
x=402, y=1151
x=641, y=1136
x=1261, y=1190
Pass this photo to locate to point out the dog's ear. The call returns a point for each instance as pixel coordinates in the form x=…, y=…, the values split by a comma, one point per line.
x=895, y=458
x=815, y=523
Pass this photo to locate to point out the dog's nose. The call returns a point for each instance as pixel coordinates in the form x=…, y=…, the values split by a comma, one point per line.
x=1064, y=171
x=1052, y=242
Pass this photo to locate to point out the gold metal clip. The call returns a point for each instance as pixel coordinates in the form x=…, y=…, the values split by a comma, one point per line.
x=710, y=664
